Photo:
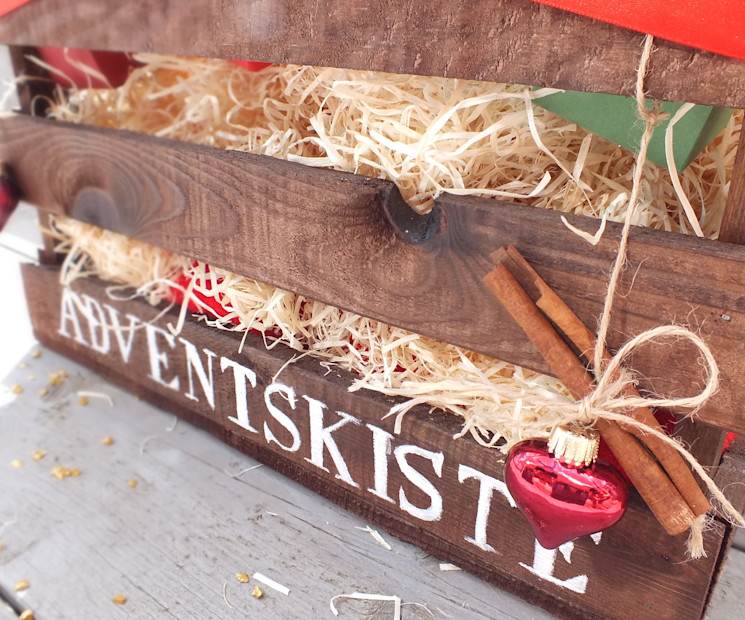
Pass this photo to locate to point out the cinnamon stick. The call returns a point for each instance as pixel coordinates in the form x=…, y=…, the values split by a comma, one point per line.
x=650, y=480
x=584, y=339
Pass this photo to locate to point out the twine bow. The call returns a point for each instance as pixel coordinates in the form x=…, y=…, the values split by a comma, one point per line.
x=611, y=396
x=610, y=399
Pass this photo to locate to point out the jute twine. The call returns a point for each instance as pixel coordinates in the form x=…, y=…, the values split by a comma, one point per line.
x=609, y=400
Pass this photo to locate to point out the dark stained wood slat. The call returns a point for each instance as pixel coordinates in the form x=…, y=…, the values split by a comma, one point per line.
x=350, y=241
x=34, y=94
x=635, y=556
x=707, y=442
x=495, y=40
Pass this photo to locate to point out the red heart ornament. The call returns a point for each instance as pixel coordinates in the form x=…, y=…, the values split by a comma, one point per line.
x=563, y=502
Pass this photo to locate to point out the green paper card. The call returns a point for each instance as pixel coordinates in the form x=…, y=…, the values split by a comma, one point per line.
x=614, y=117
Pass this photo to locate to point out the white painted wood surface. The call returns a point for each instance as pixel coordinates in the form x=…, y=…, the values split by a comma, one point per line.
x=171, y=543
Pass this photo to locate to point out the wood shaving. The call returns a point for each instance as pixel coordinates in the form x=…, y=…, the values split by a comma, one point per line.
x=426, y=134
x=38, y=455
x=445, y=566
x=225, y=594
x=242, y=577
x=270, y=583
x=21, y=585
x=376, y=535
x=257, y=592
x=243, y=471
x=101, y=395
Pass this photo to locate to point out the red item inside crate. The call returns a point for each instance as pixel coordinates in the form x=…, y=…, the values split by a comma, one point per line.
x=249, y=65
x=113, y=67
x=214, y=305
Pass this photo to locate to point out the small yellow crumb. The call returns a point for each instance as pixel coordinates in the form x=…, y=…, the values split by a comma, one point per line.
x=132, y=483
x=38, y=455
x=16, y=463
x=119, y=599
x=107, y=441
x=62, y=374
x=43, y=392
x=36, y=353
x=17, y=388
x=26, y=615
x=242, y=577
x=63, y=472
x=32, y=377
x=22, y=365
x=55, y=381
x=83, y=400
x=22, y=585
x=258, y=592
x=1, y=545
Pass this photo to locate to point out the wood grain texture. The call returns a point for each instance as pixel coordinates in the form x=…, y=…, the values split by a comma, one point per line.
x=636, y=571
x=194, y=519
x=706, y=442
x=351, y=241
x=495, y=40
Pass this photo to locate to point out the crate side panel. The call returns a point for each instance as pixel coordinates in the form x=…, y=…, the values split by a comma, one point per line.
x=635, y=570
x=351, y=242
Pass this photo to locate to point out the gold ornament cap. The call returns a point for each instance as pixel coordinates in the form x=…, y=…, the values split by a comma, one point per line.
x=575, y=446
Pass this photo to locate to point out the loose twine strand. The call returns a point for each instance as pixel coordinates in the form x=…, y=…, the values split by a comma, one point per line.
x=608, y=401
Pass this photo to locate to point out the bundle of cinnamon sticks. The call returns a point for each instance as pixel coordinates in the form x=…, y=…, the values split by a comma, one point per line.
x=657, y=470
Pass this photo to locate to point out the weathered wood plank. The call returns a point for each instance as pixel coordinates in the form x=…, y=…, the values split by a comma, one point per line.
x=173, y=542
x=351, y=241
x=436, y=506
x=495, y=40
x=706, y=442
x=733, y=222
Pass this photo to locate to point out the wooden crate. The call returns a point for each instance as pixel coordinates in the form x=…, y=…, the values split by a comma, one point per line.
x=352, y=242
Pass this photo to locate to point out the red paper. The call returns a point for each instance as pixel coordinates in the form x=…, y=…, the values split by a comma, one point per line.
x=713, y=25
x=6, y=6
